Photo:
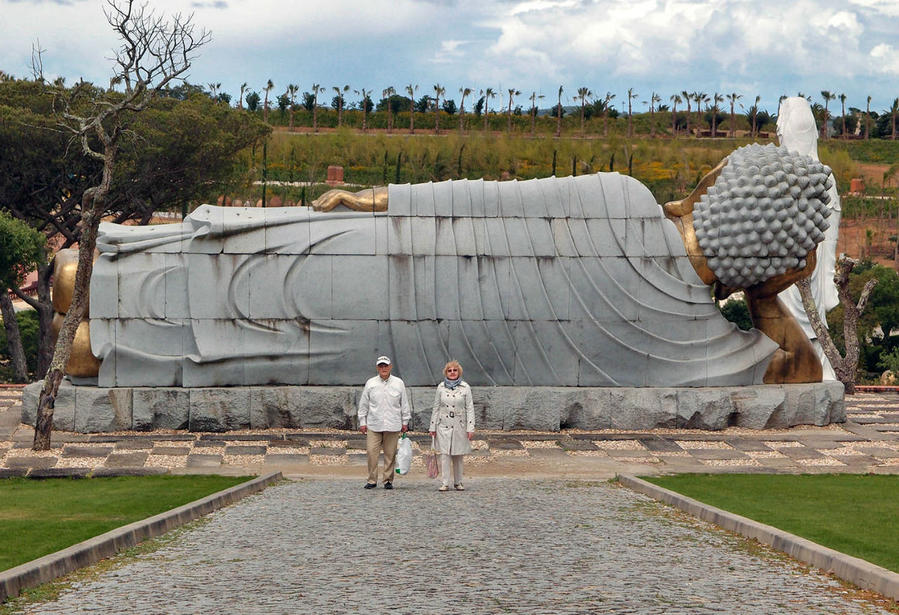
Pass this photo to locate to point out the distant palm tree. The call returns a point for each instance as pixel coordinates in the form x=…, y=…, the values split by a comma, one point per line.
x=868, y=121
x=512, y=94
x=843, y=104
x=268, y=88
x=488, y=94
x=699, y=98
x=243, y=87
x=340, y=101
x=292, y=90
x=214, y=89
x=606, y=107
x=410, y=90
x=583, y=95
x=894, y=111
x=533, y=98
x=733, y=97
x=827, y=96
x=653, y=99
x=464, y=92
x=716, y=100
x=688, y=97
x=316, y=90
x=387, y=94
x=675, y=99
x=559, y=114
x=755, y=115
x=631, y=95
x=365, y=94
x=439, y=90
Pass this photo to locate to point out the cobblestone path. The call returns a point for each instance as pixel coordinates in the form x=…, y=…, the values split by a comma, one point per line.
x=502, y=546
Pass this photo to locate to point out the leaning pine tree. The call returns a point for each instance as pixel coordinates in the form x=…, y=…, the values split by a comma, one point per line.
x=154, y=52
x=845, y=367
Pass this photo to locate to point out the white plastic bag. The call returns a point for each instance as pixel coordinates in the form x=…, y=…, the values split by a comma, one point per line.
x=403, y=455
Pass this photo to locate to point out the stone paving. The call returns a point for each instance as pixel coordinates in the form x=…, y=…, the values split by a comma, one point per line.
x=502, y=546
x=868, y=442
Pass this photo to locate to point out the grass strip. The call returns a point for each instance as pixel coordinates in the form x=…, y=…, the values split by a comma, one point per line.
x=38, y=517
x=856, y=514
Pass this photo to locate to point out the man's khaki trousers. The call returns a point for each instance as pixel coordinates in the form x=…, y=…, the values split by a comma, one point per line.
x=375, y=441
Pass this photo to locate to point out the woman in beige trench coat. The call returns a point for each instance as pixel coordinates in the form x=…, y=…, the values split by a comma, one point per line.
x=452, y=424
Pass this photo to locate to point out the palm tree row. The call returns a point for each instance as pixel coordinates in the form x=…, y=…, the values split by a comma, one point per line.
x=697, y=102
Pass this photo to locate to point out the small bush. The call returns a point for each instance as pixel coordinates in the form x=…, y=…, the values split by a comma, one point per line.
x=29, y=330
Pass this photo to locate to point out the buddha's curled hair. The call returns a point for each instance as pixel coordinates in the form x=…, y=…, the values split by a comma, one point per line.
x=766, y=211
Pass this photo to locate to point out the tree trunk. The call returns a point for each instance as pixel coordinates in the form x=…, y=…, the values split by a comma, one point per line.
x=13, y=338
x=845, y=367
x=93, y=204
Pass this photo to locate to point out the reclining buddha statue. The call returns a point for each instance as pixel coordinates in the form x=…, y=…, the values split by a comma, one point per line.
x=571, y=281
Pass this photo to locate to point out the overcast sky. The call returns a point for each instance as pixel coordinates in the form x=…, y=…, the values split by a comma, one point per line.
x=752, y=47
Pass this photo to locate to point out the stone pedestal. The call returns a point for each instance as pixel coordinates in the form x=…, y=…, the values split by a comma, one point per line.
x=91, y=409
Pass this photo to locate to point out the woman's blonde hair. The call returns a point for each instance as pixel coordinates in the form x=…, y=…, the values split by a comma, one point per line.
x=452, y=363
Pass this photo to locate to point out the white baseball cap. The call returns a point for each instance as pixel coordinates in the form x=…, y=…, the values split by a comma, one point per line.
x=383, y=360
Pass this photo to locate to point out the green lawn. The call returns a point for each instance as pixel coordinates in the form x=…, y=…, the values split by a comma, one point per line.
x=851, y=513
x=38, y=517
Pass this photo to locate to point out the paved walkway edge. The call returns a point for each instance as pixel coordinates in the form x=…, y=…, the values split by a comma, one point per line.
x=54, y=565
x=852, y=569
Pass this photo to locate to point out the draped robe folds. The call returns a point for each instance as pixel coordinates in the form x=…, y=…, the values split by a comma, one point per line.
x=576, y=281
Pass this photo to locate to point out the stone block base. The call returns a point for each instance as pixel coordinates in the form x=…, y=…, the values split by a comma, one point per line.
x=91, y=409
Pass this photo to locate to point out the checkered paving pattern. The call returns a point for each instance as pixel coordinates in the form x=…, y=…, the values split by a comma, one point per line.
x=868, y=442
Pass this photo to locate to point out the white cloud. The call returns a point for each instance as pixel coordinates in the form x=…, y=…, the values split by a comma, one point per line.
x=885, y=59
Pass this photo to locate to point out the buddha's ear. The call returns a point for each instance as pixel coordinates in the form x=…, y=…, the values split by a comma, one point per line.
x=676, y=209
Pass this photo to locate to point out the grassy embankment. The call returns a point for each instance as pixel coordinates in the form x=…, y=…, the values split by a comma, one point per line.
x=38, y=517
x=854, y=514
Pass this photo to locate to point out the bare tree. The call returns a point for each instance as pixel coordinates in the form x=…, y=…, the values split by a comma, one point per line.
x=153, y=53
x=243, y=88
x=845, y=367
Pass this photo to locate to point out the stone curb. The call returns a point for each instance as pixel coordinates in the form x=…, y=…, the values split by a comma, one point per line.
x=852, y=569
x=54, y=565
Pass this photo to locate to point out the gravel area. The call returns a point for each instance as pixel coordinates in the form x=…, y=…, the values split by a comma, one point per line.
x=502, y=546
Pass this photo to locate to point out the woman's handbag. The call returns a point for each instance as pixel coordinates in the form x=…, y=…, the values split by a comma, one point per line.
x=431, y=455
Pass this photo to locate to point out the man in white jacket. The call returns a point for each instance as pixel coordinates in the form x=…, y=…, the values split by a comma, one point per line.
x=384, y=414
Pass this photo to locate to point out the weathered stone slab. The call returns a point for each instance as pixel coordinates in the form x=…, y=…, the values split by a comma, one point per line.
x=496, y=408
x=160, y=408
x=219, y=409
